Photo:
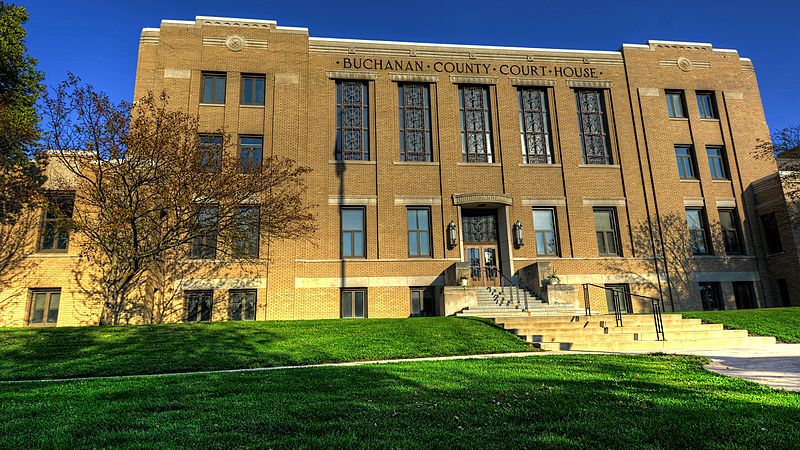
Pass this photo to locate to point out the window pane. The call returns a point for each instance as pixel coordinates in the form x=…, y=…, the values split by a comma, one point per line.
x=602, y=220
x=359, y=304
x=424, y=244
x=347, y=244
x=352, y=219
x=250, y=306
x=208, y=90
x=416, y=302
x=236, y=306
x=37, y=312
x=347, y=304
x=413, y=247
x=358, y=244
x=52, y=309
x=219, y=90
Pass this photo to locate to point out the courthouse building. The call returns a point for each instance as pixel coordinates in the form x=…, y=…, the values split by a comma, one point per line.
x=500, y=165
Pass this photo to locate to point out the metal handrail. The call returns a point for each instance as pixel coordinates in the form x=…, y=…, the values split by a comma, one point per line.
x=511, y=284
x=654, y=303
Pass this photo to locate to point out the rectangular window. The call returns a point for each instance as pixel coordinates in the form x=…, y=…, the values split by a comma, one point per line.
x=353, y=226
x=253, y=89
x=415, y=122
x=198, y=306
x=243, y=305
x=717, y=163
x=711, y=296
x=354, y=304
x=706, y=105
x=698, y=231
x=605, y=224
x=744, y=294
x=210, y=158
x=213, y=89
x=534, y=126
x=783, y=290
x=422, y=301
x=476, y=125
x=246, y=239
x=204, y=243
x=544, y=227
x=731, y=231
x=593, y=127
x=623, y=297
x=684, y=155
x=250, y=153
x=772, y=233
x=675, y=104
x=44, y=307
x=54, y=232
x=352, y=120
x=419, y=232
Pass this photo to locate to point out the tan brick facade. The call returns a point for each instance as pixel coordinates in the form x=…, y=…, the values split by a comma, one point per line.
x=303, y=280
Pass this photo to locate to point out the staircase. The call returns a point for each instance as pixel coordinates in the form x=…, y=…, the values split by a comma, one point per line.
x=509, y=301
x=599, y=333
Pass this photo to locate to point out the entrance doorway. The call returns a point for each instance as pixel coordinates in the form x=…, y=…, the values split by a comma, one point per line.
x=480, y=246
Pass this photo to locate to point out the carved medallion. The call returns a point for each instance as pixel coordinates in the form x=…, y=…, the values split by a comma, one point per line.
x=234, y=43
x=684, y=64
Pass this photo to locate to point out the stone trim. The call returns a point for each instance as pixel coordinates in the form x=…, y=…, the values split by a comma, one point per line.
x=233, y=43
x=287, y=78
x=412, y=200
x=649, y=92
x=413, y=77
x=521, y=81
x=356, y=200
x=350, y=75
x=481, y=197
x=183, y=74
x=597, y=84
x=602, y=278
x=618, y=201
x=694, y=202
x=726, y=203
x=362, y=282
x=726, y=277
x=459, y=79
x=733, y=95
x=544, y=201
x=221, y=283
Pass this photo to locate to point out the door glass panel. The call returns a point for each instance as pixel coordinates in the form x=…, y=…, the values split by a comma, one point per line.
x=490, y=262
x=415, y=302
x=474, y=259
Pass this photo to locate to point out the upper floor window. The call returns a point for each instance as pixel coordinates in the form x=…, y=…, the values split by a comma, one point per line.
x=213, y=88
x=419, y=234
x=352, y=120
x=684, y=156
x=731, y=232
x=698, y=231
x=717, y=163
x=706, y=105
x=250, y=153
x=55, y=233
x=44, y=307
x=243, y=305
x=415, y=122
x=534, y=126
x=476, y=126
x=593, y=127
x=772, y=233
x=605, y=224
x=204, y=243
x=253, y=89
x=246, y=239
x=210, y=152
x=675, y=104
x=544, y=227
x=353, y=244
x=198, y=306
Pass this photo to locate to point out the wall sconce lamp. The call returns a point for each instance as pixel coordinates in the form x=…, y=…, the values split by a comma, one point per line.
x=452, y=235
x=519, y=238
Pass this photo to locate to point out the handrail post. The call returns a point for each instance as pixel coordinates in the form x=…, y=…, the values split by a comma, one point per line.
x=615, y=294
x=586, y=305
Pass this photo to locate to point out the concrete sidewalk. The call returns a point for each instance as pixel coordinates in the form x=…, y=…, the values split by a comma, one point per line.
x=776, y=365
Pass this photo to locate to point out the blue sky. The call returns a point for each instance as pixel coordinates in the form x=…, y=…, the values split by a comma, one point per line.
x=98, y=40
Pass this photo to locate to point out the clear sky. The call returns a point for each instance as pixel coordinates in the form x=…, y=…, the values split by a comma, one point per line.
x=98, y=40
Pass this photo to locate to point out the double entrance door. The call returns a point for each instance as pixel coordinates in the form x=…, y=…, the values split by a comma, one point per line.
x=483, y=264
x=480, y=246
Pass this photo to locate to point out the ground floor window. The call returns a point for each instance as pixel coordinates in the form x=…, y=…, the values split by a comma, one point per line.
x=745, y=294
x=243, y=305
x=624, y=298
x=198, y=306
x=711, y=296
x=422, y=301
x=354, y=304
x=783, y=290
x=44, y=307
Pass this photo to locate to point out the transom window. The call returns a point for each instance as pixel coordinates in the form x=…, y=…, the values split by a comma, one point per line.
x=198, y=306
x=354, y=304
x=476, y=127
x=684, y=156
x=717, y=163
x=250, y=153
x=44, y=307
x=706, y=105
x=534, y=126
x=353, y=245
x=213, y=89
x=698, y=231
x=55, y=234
x=243, y=305
x=415, y=122
x=593, y=127
x=731, y=233
x=253, y=89
x=246, y=239
x=210, y=157
x=479, y=227
x=352, y=120
x=204, y=243
x=675, y=104
x=419, y=236
x=544, y=226
x=605, y=224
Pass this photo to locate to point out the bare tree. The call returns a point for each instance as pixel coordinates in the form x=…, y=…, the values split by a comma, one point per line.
x=149, y=190
x=785, y=147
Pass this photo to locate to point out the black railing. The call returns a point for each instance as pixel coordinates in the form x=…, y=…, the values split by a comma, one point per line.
x=616, y=295
x=511, y=285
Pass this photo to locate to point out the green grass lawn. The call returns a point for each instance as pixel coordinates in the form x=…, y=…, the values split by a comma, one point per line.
x=590, y=401
x=32, y=353
x=783, y=323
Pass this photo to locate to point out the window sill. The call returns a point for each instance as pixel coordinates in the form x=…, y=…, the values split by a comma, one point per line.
x=689, y=180
x=599, y=166
x=770, y=255
x=476, y=164
x=252, y=106
x=679, y=119
x=539, y=165
x=715, y=119
x=212, y=104
x=355, y=162
x=415, y=163
x=721, y=180
x=705, y=256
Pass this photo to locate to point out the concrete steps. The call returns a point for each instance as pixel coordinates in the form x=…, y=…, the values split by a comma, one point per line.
x=492, y=302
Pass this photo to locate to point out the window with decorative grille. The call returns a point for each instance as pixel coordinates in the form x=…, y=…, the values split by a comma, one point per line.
x=534, y=126
x=415, y=122
x=593, y=127
x=352, y=120
x=476, y=128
